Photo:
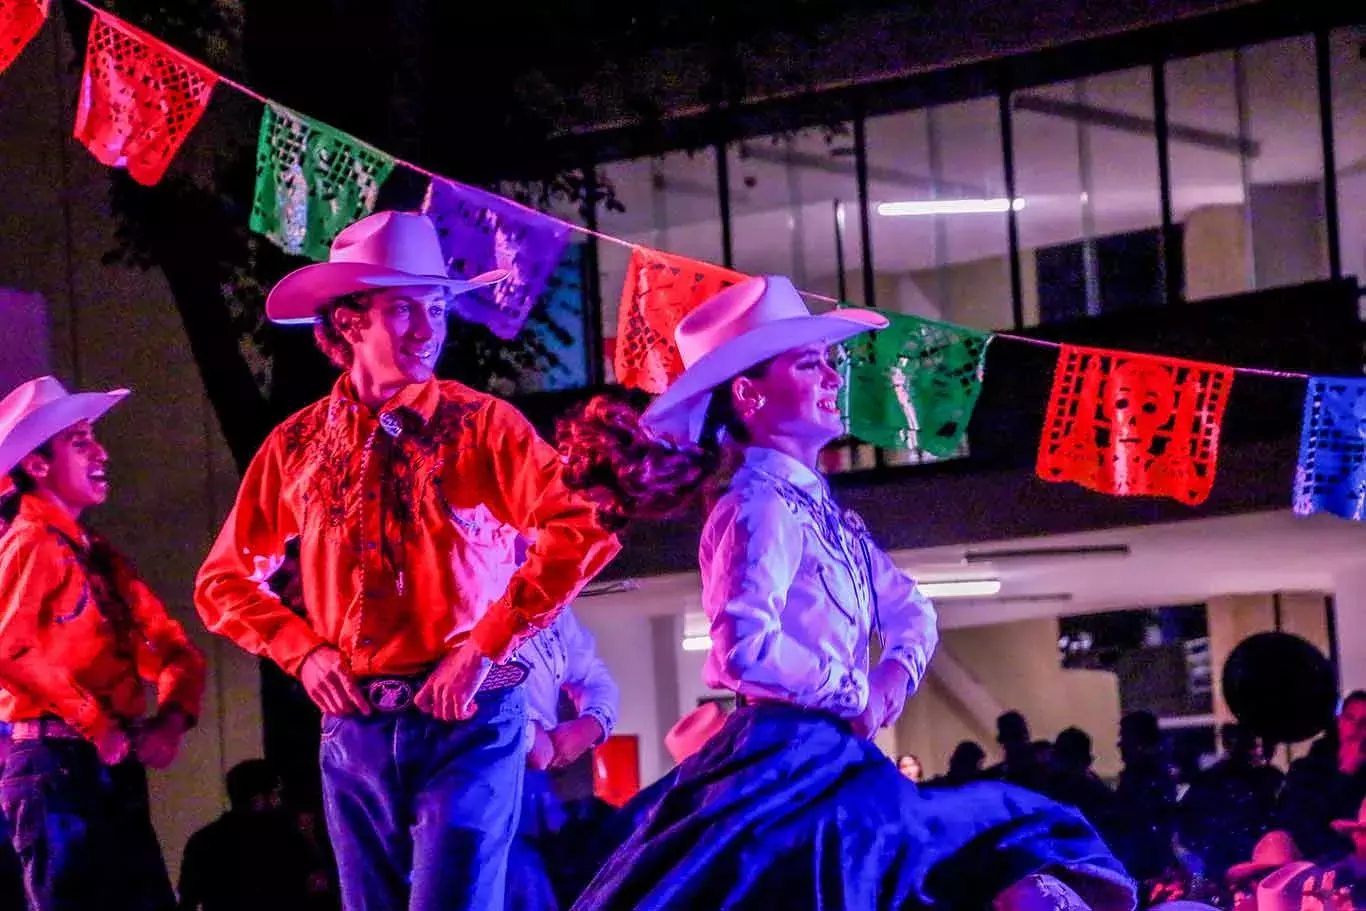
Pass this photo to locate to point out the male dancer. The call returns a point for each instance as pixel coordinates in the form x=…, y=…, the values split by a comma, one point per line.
x=563, y=658
x=398, y=486
x=80, y=634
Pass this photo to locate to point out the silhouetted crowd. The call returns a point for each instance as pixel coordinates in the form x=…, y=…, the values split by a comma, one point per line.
x=1211, y=834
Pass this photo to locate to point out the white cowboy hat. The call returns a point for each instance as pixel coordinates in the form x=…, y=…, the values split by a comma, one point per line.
x=384, y=250
x=743, y=326
x=38, y=410
x=1283, y=890
x=1274, y=849
x=693, y=730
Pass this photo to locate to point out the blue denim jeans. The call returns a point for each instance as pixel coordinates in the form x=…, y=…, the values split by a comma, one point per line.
x=82, y=830
x=422, y=812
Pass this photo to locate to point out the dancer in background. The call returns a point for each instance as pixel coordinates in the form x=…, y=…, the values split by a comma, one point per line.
x=404, y=492
x=791, y=805
x=561, y=659
x=80, y=636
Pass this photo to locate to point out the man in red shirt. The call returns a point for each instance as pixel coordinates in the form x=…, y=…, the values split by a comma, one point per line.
x=80, y=635
x=407, y=494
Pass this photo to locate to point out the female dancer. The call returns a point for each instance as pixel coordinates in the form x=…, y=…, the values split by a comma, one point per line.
x=790, y=805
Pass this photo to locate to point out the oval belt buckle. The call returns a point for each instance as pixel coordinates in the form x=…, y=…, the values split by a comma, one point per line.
x=390, y=695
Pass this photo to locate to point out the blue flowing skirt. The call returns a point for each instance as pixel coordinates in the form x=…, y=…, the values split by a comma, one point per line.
x=786, y=808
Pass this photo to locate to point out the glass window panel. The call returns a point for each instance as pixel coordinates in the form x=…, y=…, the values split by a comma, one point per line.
x=1247, y=168
x=1090, y=205
x=939, y=226
x=1206, y=113
x=1285, y=177
x=669, y=203
x=794, y=210
x=1349, y=144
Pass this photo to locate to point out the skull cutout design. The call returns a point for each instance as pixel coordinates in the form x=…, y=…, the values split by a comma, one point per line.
x=1131, y=424
x=1142, y=397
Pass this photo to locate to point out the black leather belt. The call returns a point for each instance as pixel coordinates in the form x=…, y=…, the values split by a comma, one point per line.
x=396, y=694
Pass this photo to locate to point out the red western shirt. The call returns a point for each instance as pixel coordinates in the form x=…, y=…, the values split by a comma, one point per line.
x=405, y=518
x=80, y=632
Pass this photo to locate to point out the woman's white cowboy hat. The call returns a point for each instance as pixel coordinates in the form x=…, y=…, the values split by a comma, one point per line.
x=384, y=250
x=741, y=327
x=693, y=730
x=1274, y=849
x=38, y=410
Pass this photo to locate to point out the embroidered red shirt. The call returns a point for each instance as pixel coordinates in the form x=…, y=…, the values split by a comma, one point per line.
x=407, y=522
x=80, y=632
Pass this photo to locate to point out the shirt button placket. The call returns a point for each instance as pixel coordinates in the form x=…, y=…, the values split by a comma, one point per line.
x=370, y=535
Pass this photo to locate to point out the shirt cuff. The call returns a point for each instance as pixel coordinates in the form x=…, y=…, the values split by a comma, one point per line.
x=603, y=719
x=912, y=660
x=294, y=642
x=497, y=632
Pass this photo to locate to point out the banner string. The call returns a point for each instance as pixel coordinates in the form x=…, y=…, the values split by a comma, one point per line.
x=582, y=229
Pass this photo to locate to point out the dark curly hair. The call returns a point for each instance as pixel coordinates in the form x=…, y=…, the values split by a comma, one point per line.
x=630, y=473
x=328, y=336
x=20, y=482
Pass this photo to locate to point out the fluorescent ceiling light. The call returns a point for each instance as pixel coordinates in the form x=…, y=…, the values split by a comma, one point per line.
x=1046, y=553
x=960, y=588
x=949, y=206
x=696, y=643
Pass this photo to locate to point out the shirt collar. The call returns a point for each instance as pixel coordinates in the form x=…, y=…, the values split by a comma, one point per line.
x=783, y=466
x=40, y=510
x=419, y=398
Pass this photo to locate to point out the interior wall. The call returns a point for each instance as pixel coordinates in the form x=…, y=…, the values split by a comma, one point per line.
x=1017, y=664
x=625, y=644
x=1215, y=251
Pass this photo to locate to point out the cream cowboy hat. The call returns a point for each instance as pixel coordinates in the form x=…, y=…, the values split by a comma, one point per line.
x=1274, y=849
x=693, y=730
x=743, y=326
x=1283, y=890
x=384, y=250
x=38, y=410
